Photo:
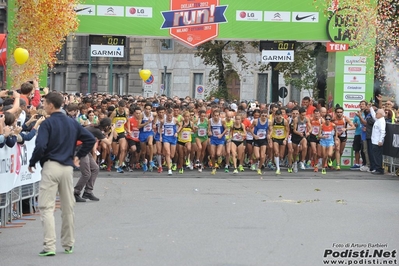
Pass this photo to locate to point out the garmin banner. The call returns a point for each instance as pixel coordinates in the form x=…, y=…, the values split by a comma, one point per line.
x=391, y=142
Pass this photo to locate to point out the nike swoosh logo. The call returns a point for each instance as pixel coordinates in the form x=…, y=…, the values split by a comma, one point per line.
x=298, y=18
x=81, y=9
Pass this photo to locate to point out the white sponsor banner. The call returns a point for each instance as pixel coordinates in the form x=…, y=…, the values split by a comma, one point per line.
x=351, y=134
x=107, y=50
x=85, y=10
x=355, y=60
x=347, y=151
x=277, y=16
x=138, y=12
x=350, y=114
x=355, y=69
x=349, y=143
x=245, y=15
x=351, y=106
x=354, y=87
x=277, y=56
x=14, y=164
x=113, y=11
x=354, y=78
x=312, y=17
x=346, y=161
x=356, y=97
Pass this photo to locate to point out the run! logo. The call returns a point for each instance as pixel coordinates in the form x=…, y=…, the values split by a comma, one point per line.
x=194, y=22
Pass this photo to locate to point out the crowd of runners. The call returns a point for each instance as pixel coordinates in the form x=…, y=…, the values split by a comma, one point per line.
x=175, y=134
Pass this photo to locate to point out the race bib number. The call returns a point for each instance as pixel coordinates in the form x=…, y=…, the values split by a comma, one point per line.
x=249, y=136
x=315, y=130
x=135, y=134
x=169, y=132
x=279, y=132
x=327, y=133
x=147, y=128
x=216, y=131
x=185, y=135
x=119, y=123
x=237, y=136
x=301, y=128
x=261, y=133
x=201, y=132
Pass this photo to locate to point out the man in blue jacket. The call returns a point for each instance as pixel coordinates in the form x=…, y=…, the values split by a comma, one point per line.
x=55, y=150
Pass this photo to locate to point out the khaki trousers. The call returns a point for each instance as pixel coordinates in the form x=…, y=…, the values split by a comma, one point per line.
x=57, y=177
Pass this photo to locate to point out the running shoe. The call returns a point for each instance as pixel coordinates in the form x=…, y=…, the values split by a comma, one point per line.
x=113, y=157
x=170, y=172
x=241, y=168
x=338, y=168
x=181, y=171
x=289, y=170
x=152, y=166
x=187, y=162
x=68, y=250
x=235, y=171
x=119, y=170
x=213, y=171
x=278, y=172
x=197, y=164
x=226, y=169
x=323, y=171
x=200, y=168
x=259, y=171
x=253, y=167
x=329, y=162
x=145, y=167
x=315, y=169
x=355, y=167
x=103, y=166
x=160, y=169
x=47, y=253
x=174, y=167
x=302, y=166
x=129, y=169
x=295, y=167
x=127, y=158
x=191, y=166
x=220, y=160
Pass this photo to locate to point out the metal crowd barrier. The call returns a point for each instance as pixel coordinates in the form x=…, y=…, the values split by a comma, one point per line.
x=391, y=165
x=11, y=203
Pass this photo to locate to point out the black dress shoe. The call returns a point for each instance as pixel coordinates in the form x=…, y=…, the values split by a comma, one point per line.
x=377, y=173
x=78, y=198
x=90, y=196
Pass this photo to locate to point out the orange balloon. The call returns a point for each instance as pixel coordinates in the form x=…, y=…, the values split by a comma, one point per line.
x=21, y=55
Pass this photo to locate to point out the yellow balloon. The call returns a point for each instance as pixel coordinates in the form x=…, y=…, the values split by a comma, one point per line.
x=21, y=55
x=145, y=74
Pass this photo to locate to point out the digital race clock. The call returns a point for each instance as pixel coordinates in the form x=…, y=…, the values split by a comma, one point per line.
x=107, y=40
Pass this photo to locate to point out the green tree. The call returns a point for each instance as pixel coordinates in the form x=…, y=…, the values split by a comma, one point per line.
x=306, y=69
x=218, y=54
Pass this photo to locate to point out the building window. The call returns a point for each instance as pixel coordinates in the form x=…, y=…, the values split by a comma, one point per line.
x=167, y=85
x=262, y=93
x=84, y=83
x=198, y=79
x=82, y=51
x=167, y=45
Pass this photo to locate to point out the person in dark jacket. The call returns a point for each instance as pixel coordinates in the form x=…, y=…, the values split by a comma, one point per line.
x=55, y=150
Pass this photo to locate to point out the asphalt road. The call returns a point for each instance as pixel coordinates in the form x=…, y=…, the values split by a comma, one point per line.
x=222, y=219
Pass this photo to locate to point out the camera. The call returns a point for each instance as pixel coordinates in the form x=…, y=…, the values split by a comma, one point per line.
x=10, y=93
x=19, y=123
x=38, y=116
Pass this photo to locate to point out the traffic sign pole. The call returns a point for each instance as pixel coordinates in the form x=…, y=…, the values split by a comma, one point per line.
x=89, y=76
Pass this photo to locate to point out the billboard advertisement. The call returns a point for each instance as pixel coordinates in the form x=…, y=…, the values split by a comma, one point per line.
x=196, y=21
